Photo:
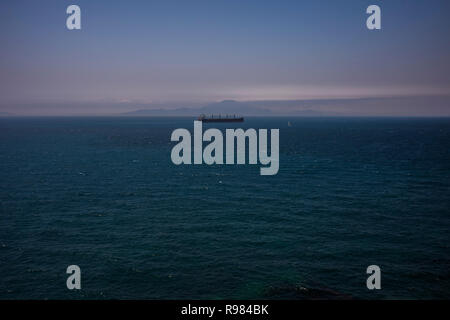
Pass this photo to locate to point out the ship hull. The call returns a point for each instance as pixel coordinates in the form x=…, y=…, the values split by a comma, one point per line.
x=223, y=120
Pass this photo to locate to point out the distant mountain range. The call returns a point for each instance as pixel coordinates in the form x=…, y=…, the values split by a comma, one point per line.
x=230, y=107
x=428, y=106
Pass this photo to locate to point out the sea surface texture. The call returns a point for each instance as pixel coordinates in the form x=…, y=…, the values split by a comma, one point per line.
x=103, y=194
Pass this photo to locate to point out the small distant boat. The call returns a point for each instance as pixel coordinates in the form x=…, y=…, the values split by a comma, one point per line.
x=289, y=124
x=220, y=118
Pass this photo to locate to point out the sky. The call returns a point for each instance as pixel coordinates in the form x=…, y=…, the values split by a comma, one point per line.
x=189, y=53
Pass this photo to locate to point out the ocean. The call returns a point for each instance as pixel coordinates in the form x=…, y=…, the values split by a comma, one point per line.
x=102, y=193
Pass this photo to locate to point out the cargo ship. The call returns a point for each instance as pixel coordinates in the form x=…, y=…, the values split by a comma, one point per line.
x=220, y=118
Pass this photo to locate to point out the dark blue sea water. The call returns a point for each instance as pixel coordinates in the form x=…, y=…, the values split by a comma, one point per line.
x=102, y=193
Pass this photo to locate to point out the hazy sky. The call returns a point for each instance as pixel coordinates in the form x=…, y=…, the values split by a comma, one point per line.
x=201, y=51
